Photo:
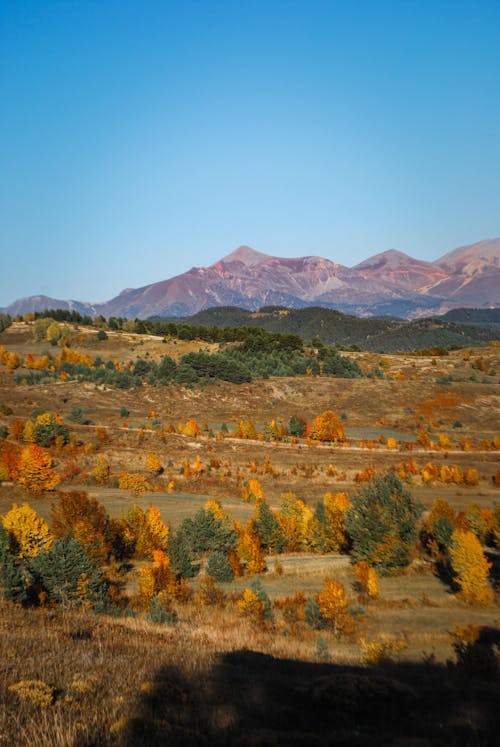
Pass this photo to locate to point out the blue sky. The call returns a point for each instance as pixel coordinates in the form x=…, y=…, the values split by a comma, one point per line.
x=141, y=138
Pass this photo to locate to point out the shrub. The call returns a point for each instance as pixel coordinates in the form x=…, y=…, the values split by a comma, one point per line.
x=160, y=613
x=382, y=649
x=209, y=594
x=313, y=615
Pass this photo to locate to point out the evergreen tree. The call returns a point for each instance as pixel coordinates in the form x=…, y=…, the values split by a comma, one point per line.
x=205, y=531
x=268, y=528
x=180, y=557
x=218, y=567
x=16, y=582
x=382, y=523
x=68, y=575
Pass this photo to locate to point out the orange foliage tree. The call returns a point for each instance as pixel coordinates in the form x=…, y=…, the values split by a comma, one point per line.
x=471, y=567
x=327, y=427
x=191, y=429
x=84, y=519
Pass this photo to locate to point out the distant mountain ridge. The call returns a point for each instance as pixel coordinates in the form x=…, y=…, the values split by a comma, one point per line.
x=389, y=283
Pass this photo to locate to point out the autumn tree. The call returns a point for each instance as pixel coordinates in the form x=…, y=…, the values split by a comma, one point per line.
x=255, y=603
x=327, y=427
x=153, y=464
x=191, y=429
x=249, y=549
x=245, y=429
x=336, y=506
x=382, y=523
x=295, y=519
x=134, y=482
x=27, y=533
x=144, y=531
x=35, y=469
x=86, y=520
x=332, y=601
x=471, y=567
x=367, y=579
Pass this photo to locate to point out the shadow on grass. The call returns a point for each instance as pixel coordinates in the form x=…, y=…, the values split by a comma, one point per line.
x=248, y=699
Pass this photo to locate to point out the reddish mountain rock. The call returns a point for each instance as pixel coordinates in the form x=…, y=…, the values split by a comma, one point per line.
x=387, y=283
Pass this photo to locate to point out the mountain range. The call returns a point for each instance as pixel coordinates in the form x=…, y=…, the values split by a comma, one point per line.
x=389, y=283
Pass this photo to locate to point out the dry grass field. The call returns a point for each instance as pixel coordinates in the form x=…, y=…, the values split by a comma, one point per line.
x=212, y=677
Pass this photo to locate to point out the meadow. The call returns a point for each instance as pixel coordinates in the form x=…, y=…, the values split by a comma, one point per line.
x=417, y=660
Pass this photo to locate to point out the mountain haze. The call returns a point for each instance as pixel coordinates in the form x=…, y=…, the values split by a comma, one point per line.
x=389, y=283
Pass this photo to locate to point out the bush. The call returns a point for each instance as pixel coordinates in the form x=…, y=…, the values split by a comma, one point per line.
x=314, y=618
x=159, y=613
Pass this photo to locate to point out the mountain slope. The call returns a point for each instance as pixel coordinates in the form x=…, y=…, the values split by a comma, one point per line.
x=389, y=283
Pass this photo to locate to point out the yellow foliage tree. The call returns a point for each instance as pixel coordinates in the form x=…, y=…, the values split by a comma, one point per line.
x=251, y=606
x=29, y=432
x=367, y=579
x=153, y=464
x=155, y=578
x=28, y=533
x=159, y=532
x=296, y=521
x=327, y=427
x=245, y=429
x=53, y=333
x=332, y=601
x=133, y=482
x=471, y=567
x=216, y=509
x=249, y=549
x=145, y=531
x=35, y=469
x=336, y=505
x=101, y=471
x=255, y=489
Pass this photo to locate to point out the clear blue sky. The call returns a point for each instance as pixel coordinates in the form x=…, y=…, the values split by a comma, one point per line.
x=139, y=138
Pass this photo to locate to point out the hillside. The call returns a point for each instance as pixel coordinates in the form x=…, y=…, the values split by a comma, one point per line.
x=333, y=327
